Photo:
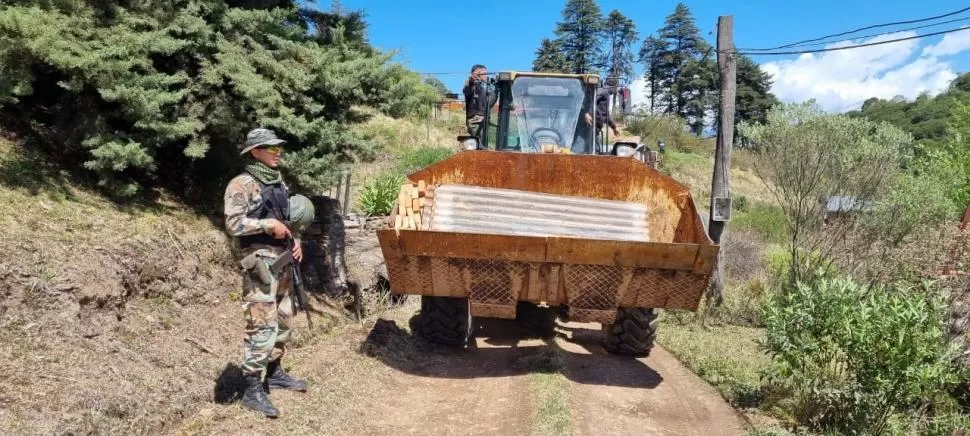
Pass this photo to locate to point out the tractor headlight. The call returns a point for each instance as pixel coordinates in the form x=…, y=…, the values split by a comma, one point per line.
x=625, y=150
x=469, y=144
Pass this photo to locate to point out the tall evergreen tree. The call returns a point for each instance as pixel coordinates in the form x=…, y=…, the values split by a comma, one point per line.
x=653, y=68
x=580, y=35
x=754, y=96
x=550, y=58
x=685, y=67
x=621, y=35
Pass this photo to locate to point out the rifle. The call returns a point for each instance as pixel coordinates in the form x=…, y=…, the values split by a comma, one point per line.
x=286, y=258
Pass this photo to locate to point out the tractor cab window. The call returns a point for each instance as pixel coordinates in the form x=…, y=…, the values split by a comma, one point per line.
x=547, y=110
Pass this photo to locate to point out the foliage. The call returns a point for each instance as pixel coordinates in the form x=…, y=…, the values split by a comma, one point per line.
x=682, y=75
x=850, y=356
x=580, y=35
x=418, y=158
x=683, y=68
x=805, y=157
x=670, y=128
x=437, y=84
x=940, y=127
x=550, y=57
x=766, y=219
x=957, y=152
x=925, y=117
x=754, y=97
x=150, y=94
x=621, y=34
x=650, y=55
x=378, y=195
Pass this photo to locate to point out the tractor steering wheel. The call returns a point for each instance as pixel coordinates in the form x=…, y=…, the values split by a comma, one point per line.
x=547, y=133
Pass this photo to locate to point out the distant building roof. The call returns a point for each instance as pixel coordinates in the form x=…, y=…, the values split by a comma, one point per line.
x=845, y=204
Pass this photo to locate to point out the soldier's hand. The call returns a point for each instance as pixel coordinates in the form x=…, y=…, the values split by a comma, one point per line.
x=589, y=118
x=297, y=250
x=277, y=229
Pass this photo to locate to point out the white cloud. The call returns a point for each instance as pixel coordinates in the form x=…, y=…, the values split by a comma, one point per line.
x=952, y=43
x=842, y=80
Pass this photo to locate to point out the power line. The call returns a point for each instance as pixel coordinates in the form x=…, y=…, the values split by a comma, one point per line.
x=861, y=37
x=896, y=23
x=780, y=53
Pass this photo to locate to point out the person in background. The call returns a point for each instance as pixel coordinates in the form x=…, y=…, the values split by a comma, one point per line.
x=477, y=101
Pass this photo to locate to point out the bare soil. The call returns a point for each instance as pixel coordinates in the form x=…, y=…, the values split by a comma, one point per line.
x=377, y=378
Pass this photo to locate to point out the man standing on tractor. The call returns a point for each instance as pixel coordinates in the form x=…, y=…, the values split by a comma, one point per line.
x=258, y=210
x=603, y=114
x=477, y=101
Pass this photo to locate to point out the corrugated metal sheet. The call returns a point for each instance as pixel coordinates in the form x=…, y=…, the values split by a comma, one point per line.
x=476, y=209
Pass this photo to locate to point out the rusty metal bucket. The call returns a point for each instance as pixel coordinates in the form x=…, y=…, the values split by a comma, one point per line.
x=592, y=276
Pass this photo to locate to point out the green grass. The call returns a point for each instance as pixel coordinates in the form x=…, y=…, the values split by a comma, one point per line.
x=767, y=219
x=415, y=159
x=726, y=356
x=549, y=392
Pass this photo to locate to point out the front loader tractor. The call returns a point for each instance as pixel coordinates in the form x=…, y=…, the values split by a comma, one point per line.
x=533, y=221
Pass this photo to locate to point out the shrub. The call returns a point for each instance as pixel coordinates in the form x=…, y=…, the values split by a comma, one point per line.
x=414, y=159
x=378, y=195
x=671, y=128
x=851, y=357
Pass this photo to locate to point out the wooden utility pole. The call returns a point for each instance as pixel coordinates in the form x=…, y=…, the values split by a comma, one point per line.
x=720, y=211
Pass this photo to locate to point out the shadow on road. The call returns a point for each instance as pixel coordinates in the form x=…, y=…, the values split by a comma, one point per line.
x=498, y=349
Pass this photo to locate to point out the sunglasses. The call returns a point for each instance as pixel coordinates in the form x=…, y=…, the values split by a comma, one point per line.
x=273, y=149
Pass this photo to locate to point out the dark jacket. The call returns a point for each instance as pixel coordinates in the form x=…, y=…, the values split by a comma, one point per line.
x=603, y=110
x=475, y=103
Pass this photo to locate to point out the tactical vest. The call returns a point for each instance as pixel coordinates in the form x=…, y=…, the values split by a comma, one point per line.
x=275, y=204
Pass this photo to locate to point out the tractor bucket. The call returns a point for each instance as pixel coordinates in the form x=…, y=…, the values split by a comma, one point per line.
x=635, y=238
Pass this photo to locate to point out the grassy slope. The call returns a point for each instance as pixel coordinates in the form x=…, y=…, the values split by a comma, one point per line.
x=108, y=302
x=724, y=355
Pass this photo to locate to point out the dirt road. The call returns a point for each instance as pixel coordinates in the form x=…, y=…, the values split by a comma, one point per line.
x=378, y=379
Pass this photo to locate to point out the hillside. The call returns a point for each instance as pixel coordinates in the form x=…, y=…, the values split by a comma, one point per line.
x=127, y=315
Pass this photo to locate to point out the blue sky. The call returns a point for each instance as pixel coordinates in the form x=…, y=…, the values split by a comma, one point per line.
x=450, y=36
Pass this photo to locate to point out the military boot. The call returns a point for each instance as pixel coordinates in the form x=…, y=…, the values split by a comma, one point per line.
x=255, y=397
x=276, y=377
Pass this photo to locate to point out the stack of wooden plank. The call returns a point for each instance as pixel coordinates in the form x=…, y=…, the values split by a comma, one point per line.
x=413, y=206
x=476, y=209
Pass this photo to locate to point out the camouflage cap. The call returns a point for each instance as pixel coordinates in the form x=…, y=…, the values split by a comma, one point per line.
x=257, y=137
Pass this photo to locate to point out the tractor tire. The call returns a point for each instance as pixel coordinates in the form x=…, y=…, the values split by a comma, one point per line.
x=443, y=320
x=633, y=332
x=535, y=321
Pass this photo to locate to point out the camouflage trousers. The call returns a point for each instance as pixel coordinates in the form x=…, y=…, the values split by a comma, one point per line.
x=474, y=125
x=269, y=314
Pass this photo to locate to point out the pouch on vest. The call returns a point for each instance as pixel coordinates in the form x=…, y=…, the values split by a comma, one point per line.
x=253, y=264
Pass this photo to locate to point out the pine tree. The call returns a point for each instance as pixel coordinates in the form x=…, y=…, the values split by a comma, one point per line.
x=550, y=58
x=754, y=97
x=152, y=94
x=580, y=35
x=685, y=67
x=650, y=56
x=621, y=35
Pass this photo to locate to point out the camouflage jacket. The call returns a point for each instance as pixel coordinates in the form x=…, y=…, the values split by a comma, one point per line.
x=241, y=198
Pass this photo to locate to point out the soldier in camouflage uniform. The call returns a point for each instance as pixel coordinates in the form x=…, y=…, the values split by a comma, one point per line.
x=256, y=210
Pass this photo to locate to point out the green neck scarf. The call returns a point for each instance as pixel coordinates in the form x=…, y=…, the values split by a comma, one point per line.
x=262, y=172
